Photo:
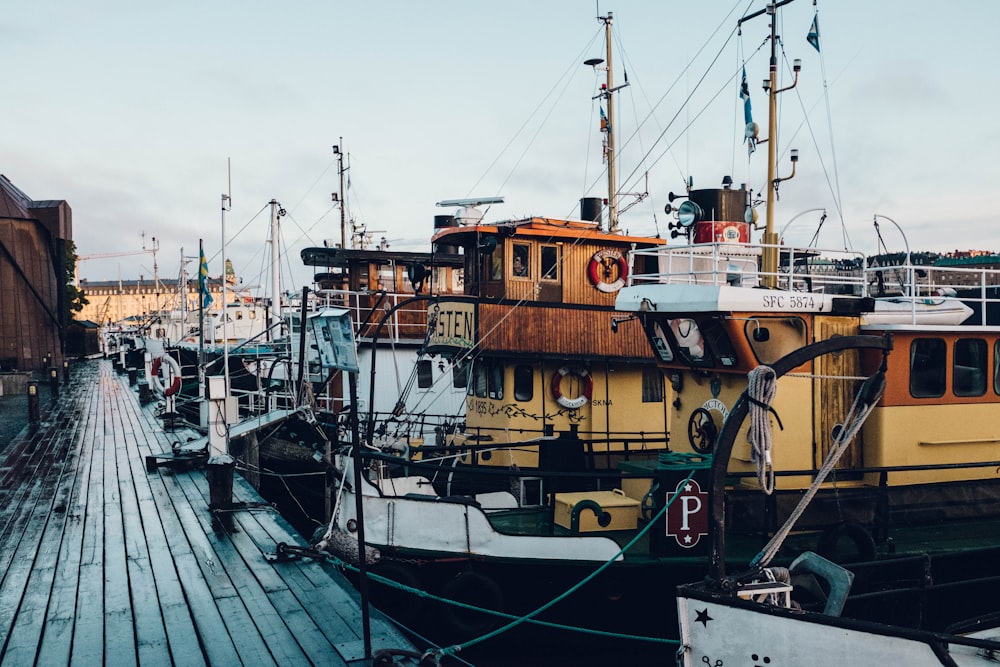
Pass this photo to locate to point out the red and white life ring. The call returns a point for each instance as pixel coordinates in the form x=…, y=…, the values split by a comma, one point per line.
x=587, y=387
x=598, y=269
x=170, y=384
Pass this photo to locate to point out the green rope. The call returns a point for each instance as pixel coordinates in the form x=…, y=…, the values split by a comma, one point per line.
x=451, y=650
x=548, y=624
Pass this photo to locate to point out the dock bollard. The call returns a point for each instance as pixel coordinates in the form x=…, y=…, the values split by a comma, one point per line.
x=133, y=376
x=33, y=410
x=65, y=370
x=54, y=381
x=219, y=472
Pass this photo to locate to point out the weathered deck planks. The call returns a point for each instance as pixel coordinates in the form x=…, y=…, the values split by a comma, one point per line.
x=102, y=562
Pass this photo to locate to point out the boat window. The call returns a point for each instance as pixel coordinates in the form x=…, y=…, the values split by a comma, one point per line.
x=239, y=314
x=550, y=262
x=652, y=385
x=690, y=342
x=425, y=374
x=487, y=380
x=520, y=266
x=460, y=374
x=495, y=388
x=252, y=314
x=771, y=338
x=718, y=343
x=658, y=339
x=969, y=368
x=927, y=367
x=495, y=263
x=524, y=383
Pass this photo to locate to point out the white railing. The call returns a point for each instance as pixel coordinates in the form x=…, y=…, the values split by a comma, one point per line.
x=800, y=269
x=918, y=285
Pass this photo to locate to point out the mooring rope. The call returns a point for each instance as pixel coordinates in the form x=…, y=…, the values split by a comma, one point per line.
x=761, y=388
x=864, y=402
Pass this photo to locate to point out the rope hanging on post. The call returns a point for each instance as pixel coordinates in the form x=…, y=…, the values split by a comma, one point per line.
x=761, y=387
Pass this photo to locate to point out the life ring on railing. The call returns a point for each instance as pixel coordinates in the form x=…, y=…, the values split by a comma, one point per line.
x=173, y=375
x=477, y=590
x=599, y=269
x=587, y=389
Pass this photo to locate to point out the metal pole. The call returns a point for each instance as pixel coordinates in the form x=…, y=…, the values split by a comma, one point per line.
x=359, y=512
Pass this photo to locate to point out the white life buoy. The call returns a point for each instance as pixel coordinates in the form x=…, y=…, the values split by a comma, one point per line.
x=585, y=394
x=598, y=269
x=170, y=384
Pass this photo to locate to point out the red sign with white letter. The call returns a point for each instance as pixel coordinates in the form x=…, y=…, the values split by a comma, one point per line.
x=687, y=516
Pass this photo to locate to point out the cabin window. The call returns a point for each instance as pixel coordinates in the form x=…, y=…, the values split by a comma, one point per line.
x=927, y=367
x=239, y=314
x=460, y=375
x=425, y=374
x=252, y=314
x=658, y=339
x=690, y=342
x=771, y=338
x=524, y=383
x=519, y=264
x=652, y=385
x=969, y=368
x=487, y=380
x=495, y=263
x=550, y=262
x=718, y=343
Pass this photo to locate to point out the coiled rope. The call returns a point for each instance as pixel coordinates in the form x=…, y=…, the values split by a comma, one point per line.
x=761, y=387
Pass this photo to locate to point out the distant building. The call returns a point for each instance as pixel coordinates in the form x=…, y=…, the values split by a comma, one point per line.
x=33, y=313
x=115, y=301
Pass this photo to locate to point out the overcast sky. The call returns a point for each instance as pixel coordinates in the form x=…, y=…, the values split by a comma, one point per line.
x=130, y=112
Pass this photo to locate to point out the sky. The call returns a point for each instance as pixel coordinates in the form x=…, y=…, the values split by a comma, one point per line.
x=141, y=115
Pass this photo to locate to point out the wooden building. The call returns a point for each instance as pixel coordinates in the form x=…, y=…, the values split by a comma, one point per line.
x=33, y=317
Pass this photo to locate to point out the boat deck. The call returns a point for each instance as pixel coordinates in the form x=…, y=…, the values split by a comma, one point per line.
x=104, y=562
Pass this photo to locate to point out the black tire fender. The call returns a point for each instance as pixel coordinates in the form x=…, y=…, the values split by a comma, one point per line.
x=855, y=534
x=476, y=589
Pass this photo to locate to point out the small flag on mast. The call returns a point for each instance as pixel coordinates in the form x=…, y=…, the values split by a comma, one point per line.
x=750, y=135
x=813, y=36
x=206, y=297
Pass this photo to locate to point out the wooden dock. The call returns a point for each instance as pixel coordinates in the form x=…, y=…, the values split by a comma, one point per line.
x=104, y=562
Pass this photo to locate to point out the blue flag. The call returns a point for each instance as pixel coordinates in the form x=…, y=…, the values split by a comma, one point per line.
x=813, y=36
x=750, y=135
x=206, y=297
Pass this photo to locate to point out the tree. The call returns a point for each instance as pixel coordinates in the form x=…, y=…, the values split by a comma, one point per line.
x=76, y=299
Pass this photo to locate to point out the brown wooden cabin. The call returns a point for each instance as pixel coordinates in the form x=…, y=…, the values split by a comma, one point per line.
x=549, y=354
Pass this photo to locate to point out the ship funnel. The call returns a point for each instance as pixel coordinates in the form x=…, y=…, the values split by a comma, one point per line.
x=591, y=208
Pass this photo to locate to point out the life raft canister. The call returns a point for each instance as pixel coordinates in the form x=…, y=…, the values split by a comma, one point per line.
x=173, y=375
x=587, y=390
x=599, y=269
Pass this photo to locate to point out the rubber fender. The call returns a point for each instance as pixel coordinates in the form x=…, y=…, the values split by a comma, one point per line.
x=477, y=590
x=856, y=534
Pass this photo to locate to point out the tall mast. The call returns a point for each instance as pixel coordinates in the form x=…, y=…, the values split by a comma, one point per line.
x=340, y=195
x=769, y=255
x=770, y=238
x=612, y=175
x=276, y=213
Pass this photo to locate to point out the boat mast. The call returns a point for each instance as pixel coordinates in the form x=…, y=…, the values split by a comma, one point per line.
x=340, y=195
x=769, y=256
x=276, y=213
x=612, y=175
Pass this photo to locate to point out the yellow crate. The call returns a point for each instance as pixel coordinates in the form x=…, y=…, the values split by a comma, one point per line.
x=622, y=512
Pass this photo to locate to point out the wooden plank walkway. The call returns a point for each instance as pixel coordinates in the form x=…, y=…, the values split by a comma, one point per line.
x=102, y=562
